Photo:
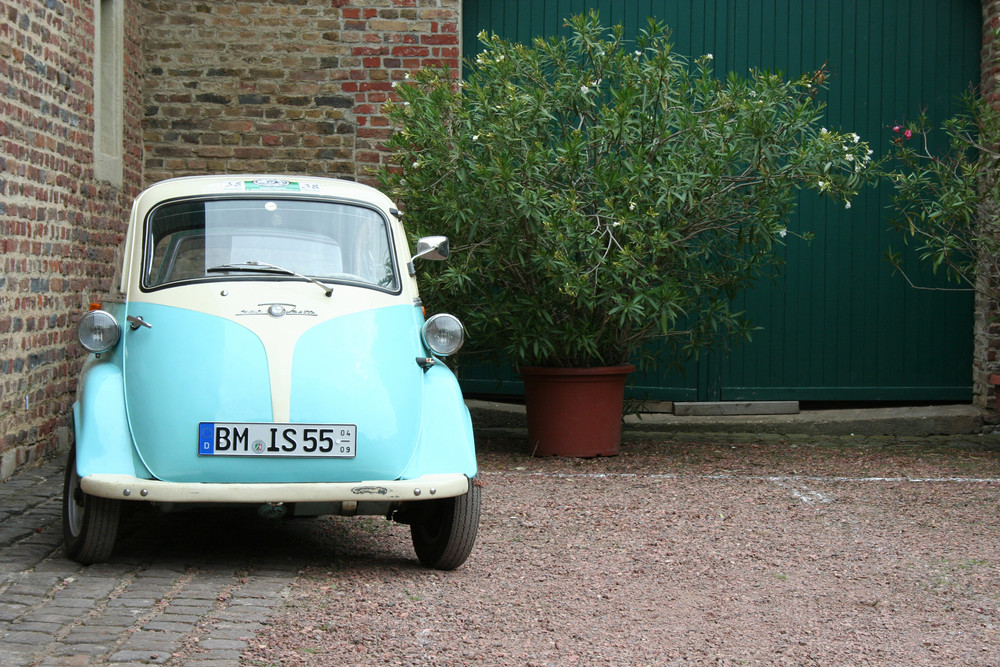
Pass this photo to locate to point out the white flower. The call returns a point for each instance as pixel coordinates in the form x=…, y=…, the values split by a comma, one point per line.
x=631, y=206
x=406, y=76
x=475, y=137
x=638, y=52
x=584, y=90
x=855, y=138
x=822, y=186
x=709, y=56
x=416, y=165
x=849, y=157
x=847, y=205
x=823, y=130
x=783, y=233
x=393, y=84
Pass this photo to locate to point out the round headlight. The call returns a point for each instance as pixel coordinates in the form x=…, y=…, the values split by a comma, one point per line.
x=98, y=331
x=443, y=334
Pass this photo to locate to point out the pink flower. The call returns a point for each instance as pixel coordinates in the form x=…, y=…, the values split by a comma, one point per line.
x=908, y=134
x=896, y=129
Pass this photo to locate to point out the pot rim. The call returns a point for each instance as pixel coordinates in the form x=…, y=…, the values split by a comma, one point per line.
x=623, y=369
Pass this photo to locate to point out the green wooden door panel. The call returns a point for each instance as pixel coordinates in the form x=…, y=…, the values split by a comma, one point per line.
x=836, y=324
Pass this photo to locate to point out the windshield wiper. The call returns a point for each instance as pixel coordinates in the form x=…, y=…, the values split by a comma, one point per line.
x=264, y=267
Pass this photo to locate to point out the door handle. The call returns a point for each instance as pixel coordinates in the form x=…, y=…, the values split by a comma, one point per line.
x=136, y=322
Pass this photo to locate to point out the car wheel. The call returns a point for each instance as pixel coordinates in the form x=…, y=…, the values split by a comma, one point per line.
x=445, y=532
x=90, y=524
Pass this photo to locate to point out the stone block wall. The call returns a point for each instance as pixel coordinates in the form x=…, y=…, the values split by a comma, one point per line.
x=59, y=226
x=291, y=86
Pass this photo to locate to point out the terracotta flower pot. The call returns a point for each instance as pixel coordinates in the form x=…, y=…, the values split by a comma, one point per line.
x=575, y=411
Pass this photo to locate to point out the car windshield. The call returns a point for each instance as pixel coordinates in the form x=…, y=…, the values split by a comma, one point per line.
x=197, y=239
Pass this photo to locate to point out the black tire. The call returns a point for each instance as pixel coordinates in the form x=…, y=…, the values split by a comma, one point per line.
x=445, y=530
x=90, y=524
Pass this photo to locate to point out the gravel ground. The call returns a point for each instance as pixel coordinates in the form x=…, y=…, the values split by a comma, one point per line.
x=675, y=553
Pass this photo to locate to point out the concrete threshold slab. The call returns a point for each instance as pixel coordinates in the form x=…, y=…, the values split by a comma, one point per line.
x=910, y=421
x=719, y=408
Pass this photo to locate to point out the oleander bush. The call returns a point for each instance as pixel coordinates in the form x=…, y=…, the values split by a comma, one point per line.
x=602, y=192
x=946, y=193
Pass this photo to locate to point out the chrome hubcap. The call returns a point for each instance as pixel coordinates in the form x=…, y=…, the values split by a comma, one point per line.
x=74, y=502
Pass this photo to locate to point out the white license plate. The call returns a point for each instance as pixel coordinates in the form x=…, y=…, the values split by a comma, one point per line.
x=269, y=439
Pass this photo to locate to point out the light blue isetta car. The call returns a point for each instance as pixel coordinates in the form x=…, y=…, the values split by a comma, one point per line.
x=268, y=347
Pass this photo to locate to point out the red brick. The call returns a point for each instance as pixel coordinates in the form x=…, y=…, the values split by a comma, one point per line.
x=403, y=51
x=439, y=39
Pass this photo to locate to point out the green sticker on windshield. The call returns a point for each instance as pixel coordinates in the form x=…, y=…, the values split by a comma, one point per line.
x=271, y=184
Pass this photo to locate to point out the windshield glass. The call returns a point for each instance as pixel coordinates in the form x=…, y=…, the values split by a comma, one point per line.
x=323, y=240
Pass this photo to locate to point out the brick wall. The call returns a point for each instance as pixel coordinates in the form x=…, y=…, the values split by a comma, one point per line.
x=282, y=85
x=986, y=356
x=210, y=86
x=59, y=228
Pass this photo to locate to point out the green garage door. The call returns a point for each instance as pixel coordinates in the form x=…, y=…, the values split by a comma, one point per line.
x=837, y=324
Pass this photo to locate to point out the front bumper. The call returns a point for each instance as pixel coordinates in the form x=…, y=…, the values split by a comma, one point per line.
x=127, y=487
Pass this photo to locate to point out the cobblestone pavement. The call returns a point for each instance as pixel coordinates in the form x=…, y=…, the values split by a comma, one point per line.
x=160, y=600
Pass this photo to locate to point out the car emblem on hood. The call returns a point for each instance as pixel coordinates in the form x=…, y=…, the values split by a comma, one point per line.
x=276, y=310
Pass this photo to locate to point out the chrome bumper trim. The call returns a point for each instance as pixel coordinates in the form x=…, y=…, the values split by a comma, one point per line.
x=127, y=487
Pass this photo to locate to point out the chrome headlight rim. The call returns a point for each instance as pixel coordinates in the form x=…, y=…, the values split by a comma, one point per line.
x=443, y=334
x=90, y=324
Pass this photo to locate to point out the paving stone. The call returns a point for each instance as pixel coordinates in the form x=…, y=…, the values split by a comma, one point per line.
x=244, y=613
x=140, y=608
x=35, y=583
x=171, y=571
x=83, y=648
x=167, y=626
x=65, y=661
x=140, y=657
x=26, y=637
x=231, y=644
x=46, y=615
x=47, y=628
x=11, y=658
x=144, y=640
x=12, y=611
x=186, y=619
x=188, y=607
x=255, y=602
x=90, y=636
x=70, y=601
x=134, y=603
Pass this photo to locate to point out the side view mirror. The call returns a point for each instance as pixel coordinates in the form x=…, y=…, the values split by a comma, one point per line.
x=432, y=247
